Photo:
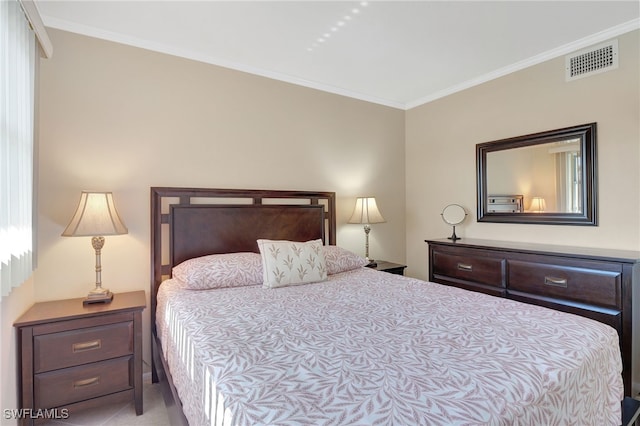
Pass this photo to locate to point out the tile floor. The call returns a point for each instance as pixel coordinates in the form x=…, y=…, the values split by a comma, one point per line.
x=123, y=414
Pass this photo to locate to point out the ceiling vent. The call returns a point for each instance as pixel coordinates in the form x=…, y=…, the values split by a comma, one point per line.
x=593, y=60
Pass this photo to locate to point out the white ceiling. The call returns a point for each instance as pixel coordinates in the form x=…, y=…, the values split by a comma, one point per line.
x=396, y=53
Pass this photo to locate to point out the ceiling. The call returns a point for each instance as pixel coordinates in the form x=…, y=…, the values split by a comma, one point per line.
x=395, y=53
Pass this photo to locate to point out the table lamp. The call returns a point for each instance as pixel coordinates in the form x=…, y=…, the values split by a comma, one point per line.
x=366, y=212
x=538, y=205
x=96, y=216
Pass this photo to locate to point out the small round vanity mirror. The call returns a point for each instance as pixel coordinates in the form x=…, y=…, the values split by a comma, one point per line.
x=453, y=214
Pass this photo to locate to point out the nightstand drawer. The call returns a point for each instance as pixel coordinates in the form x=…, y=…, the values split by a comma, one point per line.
x=71, y=348
x=57, y=388
x=594, y=286
x=476, y=269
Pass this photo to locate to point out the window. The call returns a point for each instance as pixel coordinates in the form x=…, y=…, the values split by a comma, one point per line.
x=575, y=164
x=17, y=79
x=569, y=185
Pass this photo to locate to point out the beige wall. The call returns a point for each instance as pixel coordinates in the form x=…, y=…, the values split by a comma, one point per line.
x=440, y=151
x=11, y=307
x=124, y=119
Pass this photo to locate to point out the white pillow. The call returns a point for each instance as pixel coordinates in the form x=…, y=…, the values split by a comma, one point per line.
x=341, y=260
x=288, y=263
x=219, y=271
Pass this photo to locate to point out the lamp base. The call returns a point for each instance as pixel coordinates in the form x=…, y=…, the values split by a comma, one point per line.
x=372, y=263
x=105, y=297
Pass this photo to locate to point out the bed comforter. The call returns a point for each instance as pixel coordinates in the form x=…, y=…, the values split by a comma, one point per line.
x=368, y=347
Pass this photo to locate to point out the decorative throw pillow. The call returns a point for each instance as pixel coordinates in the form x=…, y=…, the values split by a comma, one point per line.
x=341, y=260
x=220, y=271
x=288, y=263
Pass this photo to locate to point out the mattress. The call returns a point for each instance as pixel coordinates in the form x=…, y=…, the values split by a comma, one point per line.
x=368, y=347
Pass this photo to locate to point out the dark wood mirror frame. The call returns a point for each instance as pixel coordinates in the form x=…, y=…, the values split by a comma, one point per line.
x=587, y=135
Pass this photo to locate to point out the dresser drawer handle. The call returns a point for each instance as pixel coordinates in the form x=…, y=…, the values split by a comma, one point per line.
x=87, y=346
x=465, y=267
x=557, y=282
x=86, y=382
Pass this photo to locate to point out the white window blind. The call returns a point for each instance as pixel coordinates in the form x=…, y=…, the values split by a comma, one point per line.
x=17, y=79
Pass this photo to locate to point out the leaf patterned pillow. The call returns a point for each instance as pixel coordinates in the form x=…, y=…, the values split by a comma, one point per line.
x=288, y=263
x=341, y=260
x=219, y=271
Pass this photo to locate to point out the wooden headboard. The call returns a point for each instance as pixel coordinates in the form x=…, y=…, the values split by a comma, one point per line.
x=193, y=222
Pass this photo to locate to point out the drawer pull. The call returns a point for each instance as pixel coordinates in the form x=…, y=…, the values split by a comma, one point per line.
x=557, y=282
x=465, y=267
x=86, y=382
x=87, y=346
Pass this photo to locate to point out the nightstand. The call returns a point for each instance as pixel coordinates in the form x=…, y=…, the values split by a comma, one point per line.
x=390, y=267
x=73, y=357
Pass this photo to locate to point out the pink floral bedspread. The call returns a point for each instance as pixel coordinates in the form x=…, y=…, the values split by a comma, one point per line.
x=368, y=347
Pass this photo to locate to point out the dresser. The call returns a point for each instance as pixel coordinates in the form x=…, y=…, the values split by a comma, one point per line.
x=72, y=357
x=596, y=283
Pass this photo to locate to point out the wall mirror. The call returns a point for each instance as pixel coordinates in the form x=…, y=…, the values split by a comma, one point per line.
x=542, y=178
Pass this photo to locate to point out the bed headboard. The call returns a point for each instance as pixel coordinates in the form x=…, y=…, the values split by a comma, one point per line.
x=193, y=222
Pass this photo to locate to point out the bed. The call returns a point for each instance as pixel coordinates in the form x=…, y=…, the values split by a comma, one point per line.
x=357, y=347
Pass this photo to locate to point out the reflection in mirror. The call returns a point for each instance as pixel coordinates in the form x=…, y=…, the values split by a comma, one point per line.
x=548, y=173
x=547, y=177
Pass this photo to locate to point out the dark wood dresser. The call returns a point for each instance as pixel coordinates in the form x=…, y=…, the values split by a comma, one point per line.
x=595, y=283
x=73, y=357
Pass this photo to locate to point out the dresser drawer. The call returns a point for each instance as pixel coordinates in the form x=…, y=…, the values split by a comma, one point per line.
x=609, y=316
x=470, y=268
x=82, y=346
x=601, y=284
x=60, y=387
x=598, y=287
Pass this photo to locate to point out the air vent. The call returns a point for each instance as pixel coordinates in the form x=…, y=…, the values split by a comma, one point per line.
x=593, y=60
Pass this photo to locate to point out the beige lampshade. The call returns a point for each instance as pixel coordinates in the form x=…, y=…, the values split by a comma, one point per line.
x=538, y=205
x=96, y=215
x=366, y=211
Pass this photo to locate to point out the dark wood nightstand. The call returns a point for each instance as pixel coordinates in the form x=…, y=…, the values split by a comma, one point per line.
x=390, y=267
x=73, y=357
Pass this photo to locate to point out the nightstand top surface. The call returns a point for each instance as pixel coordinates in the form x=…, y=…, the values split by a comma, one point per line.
x=383, y=264
x=59, y=310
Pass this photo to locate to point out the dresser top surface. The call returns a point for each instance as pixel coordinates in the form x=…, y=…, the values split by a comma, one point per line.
x=626, y=256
